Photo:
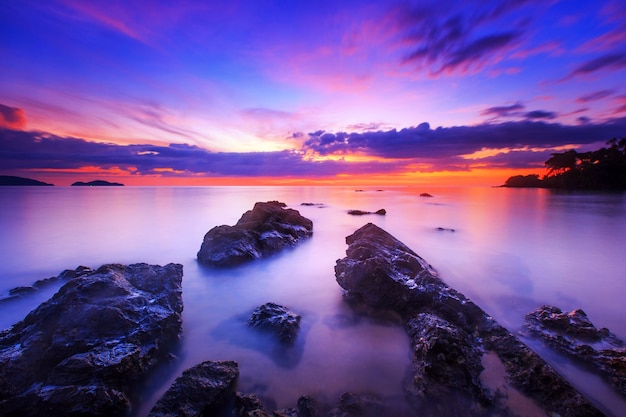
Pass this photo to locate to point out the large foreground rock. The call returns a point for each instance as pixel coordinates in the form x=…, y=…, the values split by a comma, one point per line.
x=450, y=336
x=201, y=390
x=575, y=335
x=262, y=231
x=79, y=353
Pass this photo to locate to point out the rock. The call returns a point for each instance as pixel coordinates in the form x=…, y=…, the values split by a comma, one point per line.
x=278, y=319
x=265, y=230
x=19, y=292
x=380, y=212
x=80, y=352
x=426, y=195
x=204, y=389
x=575, y=335
x=445, y=229
x=313, y=204
x=449, y=334
x=358, y=405
x=249, y=405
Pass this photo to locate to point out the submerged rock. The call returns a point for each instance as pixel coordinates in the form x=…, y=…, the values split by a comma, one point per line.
x=449, y=334
x=204, y=389
x=278, y=319
x=575, y=335
x=380, y=212
x=260, y=232
x=80, y=352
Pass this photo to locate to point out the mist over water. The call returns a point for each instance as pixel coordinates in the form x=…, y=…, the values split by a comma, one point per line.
x=511, y=251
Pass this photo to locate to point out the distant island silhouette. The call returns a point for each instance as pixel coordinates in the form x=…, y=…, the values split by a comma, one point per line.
x=602, y=169
x=97, y=183
x=12, y=180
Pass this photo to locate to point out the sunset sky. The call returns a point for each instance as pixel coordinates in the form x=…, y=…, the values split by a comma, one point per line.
x=322, y=92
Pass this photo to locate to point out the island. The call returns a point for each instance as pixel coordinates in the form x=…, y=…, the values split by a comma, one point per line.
x=602, y=169
x=97, y=183
x=12, y=180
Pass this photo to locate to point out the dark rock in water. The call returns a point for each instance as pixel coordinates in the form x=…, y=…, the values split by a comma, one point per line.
x=12, y=180
x=79, y=353
x=426, y=195
x=447, y=359
x=445, y=229
x=266, y=229
x=23, y=290
x=278, y=319
x=249, y=405
x=358, y=405
x=20, y=292
x=575, y=335
x=449, y=335
x=97, y=183
x=204, y=389
x=380, y=212
x=313, y=204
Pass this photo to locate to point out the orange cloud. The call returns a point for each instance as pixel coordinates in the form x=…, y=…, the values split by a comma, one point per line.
x=12, y=117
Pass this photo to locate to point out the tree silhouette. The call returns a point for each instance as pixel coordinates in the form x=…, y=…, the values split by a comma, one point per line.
x=604, y=168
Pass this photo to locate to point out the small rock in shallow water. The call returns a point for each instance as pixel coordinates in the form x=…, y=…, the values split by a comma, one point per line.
x=278, y=319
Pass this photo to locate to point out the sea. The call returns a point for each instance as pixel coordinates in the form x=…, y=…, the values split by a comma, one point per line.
x=509, y=250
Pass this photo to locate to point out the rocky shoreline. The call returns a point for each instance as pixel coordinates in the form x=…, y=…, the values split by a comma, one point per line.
x=81, y=352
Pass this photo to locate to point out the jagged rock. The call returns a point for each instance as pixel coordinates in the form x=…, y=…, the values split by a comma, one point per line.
x=249, y=405
x=278, y=319
x=575, y=335
x=19, y=292
x=449, y=334
x=79, y=352
x=358, y=405
x=201, y=390
x=380, y=212
x=260, y=232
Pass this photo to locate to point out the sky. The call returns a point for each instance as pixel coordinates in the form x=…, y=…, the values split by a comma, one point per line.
x=197, y=92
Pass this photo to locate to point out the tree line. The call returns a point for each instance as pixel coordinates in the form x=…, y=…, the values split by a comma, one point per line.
x=604, y=168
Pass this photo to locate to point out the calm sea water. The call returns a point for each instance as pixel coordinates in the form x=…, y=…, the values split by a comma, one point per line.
x=511, y=251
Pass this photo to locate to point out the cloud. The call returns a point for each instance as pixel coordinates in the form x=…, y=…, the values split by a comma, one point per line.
x=514, y=144
x=596, y=95
x=458, y=42
x=611, y=61
x=540, y=114
x=35, y=150
x=452, y=142
x=503, y=111
x=12, y=117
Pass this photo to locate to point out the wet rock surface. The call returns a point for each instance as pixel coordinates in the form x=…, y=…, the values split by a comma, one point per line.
x=573, y=334
x=204, y=389
x=278, y=320
x=266, y=229
x=80, y=352
x=449, y=335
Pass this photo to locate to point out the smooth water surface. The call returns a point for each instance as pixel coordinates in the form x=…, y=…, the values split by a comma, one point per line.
x=511, y=251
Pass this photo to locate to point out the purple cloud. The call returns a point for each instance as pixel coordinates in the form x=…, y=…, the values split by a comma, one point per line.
x=540, y=114
x=459, y=43
x=451, y=142
x=503, y=111
x=612, y=61
x=596, y=95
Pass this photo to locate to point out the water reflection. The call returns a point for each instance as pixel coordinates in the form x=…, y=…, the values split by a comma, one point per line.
x=513, y=250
